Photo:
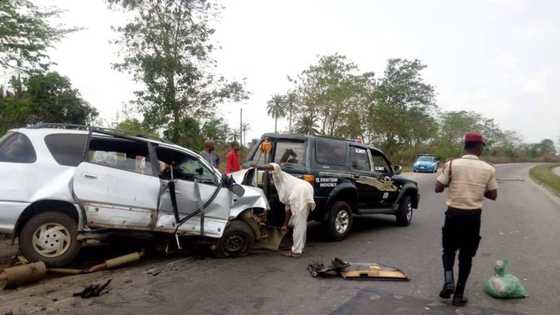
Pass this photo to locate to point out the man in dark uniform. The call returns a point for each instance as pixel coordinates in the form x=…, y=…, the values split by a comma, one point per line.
x=469, y=180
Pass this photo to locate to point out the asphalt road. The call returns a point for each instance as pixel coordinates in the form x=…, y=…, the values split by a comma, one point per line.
x=522, y=226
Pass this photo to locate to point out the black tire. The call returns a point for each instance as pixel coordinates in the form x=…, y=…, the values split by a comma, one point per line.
x=338, y=231
x=60, y=228
x=405, y=213
x=237, y=240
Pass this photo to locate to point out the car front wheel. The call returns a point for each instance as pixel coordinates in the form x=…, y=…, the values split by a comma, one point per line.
x=339, y=222
x=50, y=237
x=405, y=211
x=236, y=241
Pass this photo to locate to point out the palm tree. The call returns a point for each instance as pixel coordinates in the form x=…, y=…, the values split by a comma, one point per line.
x=275, y=107
x=307, y=125
x=290, y=105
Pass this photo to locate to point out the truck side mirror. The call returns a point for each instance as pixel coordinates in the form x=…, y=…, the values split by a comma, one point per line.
x=397, y=169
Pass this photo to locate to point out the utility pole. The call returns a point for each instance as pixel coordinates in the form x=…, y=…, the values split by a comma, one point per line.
x=241, y=125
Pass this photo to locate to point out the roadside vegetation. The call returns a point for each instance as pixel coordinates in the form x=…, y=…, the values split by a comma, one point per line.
x=167, y=47
x=544, y=174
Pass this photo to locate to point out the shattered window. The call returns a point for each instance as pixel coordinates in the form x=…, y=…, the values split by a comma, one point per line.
x=186, y=167
x=126, y=155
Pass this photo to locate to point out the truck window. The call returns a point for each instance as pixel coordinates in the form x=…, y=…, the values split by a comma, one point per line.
x=67, y=149
x=16, y=148
x=290, y=152
x=379, y=163
x=360, y=159
x=330, y=152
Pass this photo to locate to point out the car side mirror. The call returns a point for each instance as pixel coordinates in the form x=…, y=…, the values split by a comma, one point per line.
x=237, y=190
x=397, y=169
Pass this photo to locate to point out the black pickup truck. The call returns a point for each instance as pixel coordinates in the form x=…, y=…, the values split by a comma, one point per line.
x=349, y=179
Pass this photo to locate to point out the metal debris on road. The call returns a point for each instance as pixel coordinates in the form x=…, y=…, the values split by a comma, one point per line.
x=15, y=276
x=24, y=274
x=94, y=290
x=349, y=270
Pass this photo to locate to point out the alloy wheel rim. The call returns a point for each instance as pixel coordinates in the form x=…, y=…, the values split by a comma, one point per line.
x=409, y=212
x=342, y=221
x=51, y=240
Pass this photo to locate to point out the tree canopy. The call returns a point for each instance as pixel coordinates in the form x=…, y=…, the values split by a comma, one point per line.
x=167, y=47
x=43, y=97
x=26, y=34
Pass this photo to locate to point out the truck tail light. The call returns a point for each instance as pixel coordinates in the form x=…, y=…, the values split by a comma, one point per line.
x=310, y=179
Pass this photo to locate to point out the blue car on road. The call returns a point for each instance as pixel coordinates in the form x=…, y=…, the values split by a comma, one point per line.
x=425, y=164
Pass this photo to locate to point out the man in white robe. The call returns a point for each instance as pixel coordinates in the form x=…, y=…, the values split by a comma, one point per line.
x=297, y=197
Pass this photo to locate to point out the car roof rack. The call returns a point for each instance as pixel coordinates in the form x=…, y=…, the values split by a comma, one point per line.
x=58, y=126
x=107, y=131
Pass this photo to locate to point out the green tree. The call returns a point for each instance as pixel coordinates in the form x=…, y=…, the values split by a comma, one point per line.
x=26, y=35
x=47, y=97
x=134, y=127
x=276, y=107
x=167, y=46
x=306, y=125
x=402, y=101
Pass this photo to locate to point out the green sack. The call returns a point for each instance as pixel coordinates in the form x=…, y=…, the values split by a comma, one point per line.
x=504, y=285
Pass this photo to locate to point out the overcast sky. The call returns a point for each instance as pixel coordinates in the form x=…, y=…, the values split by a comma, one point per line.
x=496, y=57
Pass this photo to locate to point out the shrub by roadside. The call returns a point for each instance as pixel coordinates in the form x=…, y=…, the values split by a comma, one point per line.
x=543, y=174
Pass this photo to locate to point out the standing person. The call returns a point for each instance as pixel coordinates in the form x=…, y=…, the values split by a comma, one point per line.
x=297, y=197
x=469, y=180
x=232, y=159
x=209, y=154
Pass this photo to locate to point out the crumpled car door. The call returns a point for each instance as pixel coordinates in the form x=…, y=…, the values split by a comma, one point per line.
x=115, y=198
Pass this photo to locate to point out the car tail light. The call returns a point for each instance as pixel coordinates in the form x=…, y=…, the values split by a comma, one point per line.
x=310, y=179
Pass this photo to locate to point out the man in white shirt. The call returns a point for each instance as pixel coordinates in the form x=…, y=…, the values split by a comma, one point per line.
x=469, y=180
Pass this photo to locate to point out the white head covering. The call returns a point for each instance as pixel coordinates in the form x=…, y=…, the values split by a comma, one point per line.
x=292, y=191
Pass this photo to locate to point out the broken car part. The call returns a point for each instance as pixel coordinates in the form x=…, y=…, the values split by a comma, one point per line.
x=350, y=270
x=94, y=290
x=15, y=276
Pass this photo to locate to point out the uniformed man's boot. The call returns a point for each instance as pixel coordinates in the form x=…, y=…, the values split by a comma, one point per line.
x=458, y=297
x=448, y=285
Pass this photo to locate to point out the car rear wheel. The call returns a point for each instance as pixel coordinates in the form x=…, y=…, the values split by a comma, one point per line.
x=339, y=223
x=236, y=241
x=50, y=237
x=405, y=211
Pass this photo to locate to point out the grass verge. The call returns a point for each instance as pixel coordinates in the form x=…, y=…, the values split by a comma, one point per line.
x=543, y=174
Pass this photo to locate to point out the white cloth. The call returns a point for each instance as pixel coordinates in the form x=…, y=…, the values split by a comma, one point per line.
x=297, y=195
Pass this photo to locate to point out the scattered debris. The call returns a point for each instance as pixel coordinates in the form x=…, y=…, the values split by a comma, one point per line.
x=32, y=272
x=94, y=290
x=349, y=270
x=15, y=276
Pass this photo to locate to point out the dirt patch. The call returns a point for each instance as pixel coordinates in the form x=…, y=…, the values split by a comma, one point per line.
x=7, y=251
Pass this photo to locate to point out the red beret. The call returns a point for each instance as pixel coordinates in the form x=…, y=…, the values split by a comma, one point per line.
x=474, y=137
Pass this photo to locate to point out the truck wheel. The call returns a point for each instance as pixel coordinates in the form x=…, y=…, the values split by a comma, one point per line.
x=50, y=237
x=236, y=241
x=405, y=211
x=339, y=222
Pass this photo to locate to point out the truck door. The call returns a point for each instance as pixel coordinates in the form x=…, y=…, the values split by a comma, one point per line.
x=368, y=192
x=383, y=175
x=116, y=183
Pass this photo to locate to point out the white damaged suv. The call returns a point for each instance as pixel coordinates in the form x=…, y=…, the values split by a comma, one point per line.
x=62, y=185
